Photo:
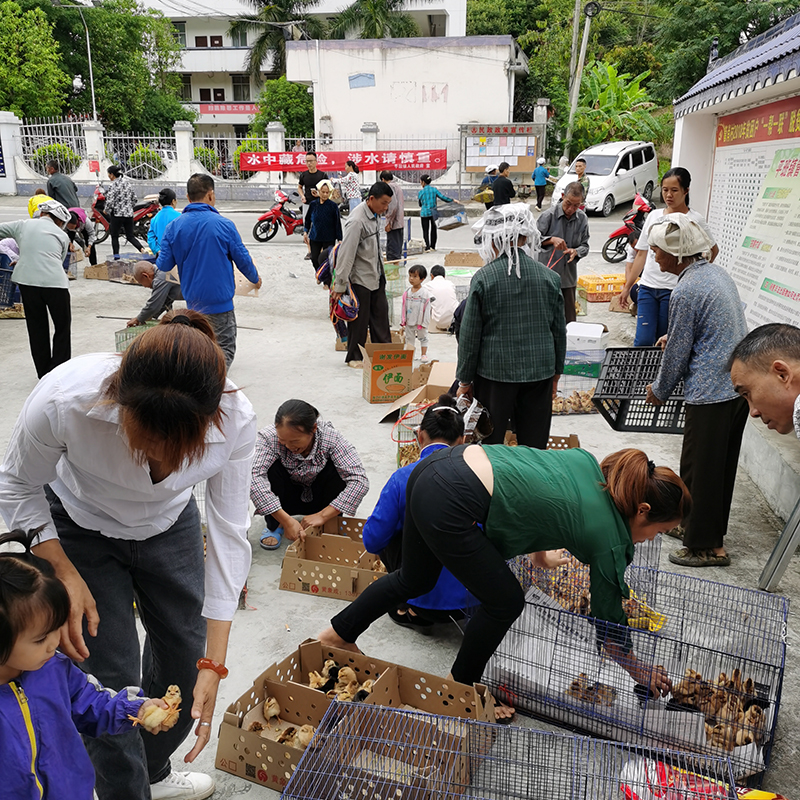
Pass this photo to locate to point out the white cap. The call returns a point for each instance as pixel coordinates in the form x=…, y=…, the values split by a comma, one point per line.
x=53, y=207
x=491, y=168
x=540, y=161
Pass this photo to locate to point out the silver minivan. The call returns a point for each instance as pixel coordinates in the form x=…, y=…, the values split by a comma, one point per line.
x=612, y=168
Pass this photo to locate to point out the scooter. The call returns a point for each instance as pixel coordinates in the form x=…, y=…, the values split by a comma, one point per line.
x=632, y=224
x=143, y=213
x=279, y=217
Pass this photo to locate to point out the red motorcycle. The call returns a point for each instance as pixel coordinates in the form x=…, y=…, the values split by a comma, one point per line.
x=279, y=217
x=143, y=213
x=632, y=224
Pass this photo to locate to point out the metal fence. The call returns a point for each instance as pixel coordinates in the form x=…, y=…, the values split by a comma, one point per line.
x=52, y=139
x=219, y=155
x=142, y=156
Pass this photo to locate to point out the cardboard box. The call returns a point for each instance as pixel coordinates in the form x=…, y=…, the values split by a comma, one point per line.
x=441, y=377
x=586, y=336
x=387, y=372
x=459, y=259
x=419, y=377
x=343, y=526
x=329, y=566
x=98, y=272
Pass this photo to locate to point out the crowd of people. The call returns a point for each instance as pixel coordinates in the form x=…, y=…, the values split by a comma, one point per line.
x=97, y=481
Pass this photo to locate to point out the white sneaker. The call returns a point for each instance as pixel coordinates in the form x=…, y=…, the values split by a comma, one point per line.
x=183, y=786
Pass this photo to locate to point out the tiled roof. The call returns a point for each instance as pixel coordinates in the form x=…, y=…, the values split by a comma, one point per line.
x=770, y=56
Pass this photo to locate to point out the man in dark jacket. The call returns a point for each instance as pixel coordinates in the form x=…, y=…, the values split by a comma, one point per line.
x=202, y=244
x=502, y=187
x=60, y=187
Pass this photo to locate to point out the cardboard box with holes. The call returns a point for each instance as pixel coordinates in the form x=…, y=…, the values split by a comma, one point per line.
x=264, y=733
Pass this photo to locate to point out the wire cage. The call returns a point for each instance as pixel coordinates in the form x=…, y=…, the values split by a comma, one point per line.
x=7, y=288
x=723, y=648
x=577, y=385
x=123, y=338
x=622, y=388
x=367, y=751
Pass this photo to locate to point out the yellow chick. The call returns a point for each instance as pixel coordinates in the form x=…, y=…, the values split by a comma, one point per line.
x=346, y=677
x=154, y=717
x=272, y=709
x=304, y=736
x=287, y=737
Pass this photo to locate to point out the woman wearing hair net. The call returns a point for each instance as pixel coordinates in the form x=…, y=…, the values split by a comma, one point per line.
x=43, y=284
x=513, y=335
x=706, y=322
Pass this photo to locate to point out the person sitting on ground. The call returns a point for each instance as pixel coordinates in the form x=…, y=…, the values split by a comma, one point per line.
x=162, y=295
x=168, y=201
x=303, y=466
x=415, y=314
x=471, y=508
x=323, y=223
x=765, y=370
x=444, y=301
x=65, y=701
x=442, y=426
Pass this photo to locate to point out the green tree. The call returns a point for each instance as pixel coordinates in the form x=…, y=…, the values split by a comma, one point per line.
x=374, y=19
x=32, y=83
x=160, y=110
x=688, y=27
x=288, y=102
x=614, y=106
x=510, y=17
x=268, y=29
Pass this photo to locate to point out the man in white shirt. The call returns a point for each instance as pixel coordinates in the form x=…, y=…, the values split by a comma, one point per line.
x=444, y=301
x=765, y=370
x=113, y=493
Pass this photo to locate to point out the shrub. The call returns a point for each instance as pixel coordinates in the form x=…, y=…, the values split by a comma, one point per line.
x=207, y=157
x=145, y=163
x=67, y=158
x=251, y=145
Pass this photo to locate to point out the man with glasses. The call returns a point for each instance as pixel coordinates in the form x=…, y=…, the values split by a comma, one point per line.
x=565, y=241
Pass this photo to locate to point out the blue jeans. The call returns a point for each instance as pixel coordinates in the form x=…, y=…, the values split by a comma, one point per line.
x=165, y=576
x=353, y=202
x=653, y=313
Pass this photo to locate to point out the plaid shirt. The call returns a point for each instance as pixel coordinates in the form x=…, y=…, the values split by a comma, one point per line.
x=513, y=330
x=328, y=444
x=427, y=197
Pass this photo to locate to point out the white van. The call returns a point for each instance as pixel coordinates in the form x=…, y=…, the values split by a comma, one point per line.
x=612, y=169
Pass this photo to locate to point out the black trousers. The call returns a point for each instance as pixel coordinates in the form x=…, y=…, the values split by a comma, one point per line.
x=712, y=438
x=530, y=405
x=316, y=249
x=540, y=192
x=429, y=231
x=117, y=224
x=569, y=304
x=38, y=302
x=373, y=316
x=445, y=501
x=326, y=487
x=394, y=244
x=92, y=255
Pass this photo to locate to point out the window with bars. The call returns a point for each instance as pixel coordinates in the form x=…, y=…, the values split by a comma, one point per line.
x=180, y=33
x=239, y=39
x=241, y=88
x=216, y=41
x=186, y=88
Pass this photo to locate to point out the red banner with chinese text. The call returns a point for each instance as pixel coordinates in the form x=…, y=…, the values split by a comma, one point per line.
x=768, y=123
x=335, y=161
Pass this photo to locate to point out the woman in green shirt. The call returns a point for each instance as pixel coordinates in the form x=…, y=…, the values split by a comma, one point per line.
x=471, y=508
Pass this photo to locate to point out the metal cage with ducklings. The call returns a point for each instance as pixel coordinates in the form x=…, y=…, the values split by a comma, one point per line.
x=723, y=648
x=368, y=751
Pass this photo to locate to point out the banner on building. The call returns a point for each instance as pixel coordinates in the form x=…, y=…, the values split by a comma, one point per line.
x=768, y=123
x=335, y=161
x=766, y=262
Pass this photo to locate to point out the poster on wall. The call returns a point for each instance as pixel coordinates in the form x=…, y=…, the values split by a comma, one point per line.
x=766, y=262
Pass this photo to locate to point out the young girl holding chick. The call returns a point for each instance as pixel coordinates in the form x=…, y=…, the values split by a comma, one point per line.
x=46, y=702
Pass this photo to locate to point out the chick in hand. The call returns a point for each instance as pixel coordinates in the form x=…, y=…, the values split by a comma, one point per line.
x=272, y=709
x=159, y=715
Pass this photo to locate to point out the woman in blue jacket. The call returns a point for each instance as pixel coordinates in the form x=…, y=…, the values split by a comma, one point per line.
x=442, y=426
x=428, y=196
x=322, y=223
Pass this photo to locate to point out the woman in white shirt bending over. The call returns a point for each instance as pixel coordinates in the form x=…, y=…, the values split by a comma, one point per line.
x=104, y=456
x=655, y=287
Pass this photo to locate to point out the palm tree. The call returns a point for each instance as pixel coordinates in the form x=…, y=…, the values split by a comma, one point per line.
x=374, y=19
x=269, y=27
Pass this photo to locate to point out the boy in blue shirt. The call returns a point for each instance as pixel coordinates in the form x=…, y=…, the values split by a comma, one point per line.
x=168, y=201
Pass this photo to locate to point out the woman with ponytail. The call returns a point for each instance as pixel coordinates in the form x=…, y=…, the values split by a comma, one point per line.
x=46, y=702
x=470, y=508
x=104, y=457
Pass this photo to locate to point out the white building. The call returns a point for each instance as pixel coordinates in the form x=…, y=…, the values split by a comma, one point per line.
x=212, y=69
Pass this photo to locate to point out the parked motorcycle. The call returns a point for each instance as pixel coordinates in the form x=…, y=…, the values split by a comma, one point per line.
x=632, y=224
x=143, y=213
x=279, y=217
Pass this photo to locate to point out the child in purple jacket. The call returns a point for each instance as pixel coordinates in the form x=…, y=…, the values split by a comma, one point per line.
x=46, y=702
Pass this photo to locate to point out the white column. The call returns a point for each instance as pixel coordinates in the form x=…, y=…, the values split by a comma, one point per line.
x=369, y=141
x=10, y=149
x=276, y=142
x=184, y=164
x=95, y=151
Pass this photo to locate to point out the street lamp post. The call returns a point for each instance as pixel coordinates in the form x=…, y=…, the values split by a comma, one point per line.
x=89, y=54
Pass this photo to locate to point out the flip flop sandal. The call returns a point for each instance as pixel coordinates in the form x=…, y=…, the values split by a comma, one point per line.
x=698, y=558
x=277, y=534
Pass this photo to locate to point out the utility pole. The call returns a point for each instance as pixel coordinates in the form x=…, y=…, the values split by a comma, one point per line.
x=576, y=24
x=591, y=10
